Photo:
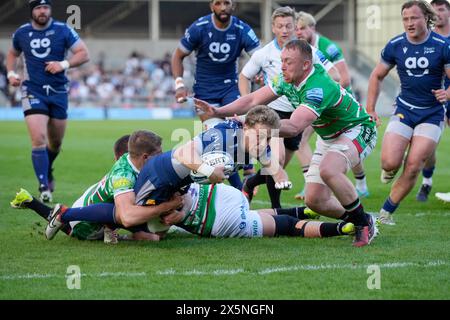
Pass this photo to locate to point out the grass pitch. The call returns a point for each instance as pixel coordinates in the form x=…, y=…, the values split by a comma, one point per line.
x=413, y=257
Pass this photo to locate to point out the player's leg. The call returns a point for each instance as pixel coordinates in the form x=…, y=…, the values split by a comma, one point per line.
x=284, y=225
x=342, y=154
x=318, y=195
x=37, y=129
x=24, y=199
x=423, y=141
x=304, y=155
x=395, y=142
x=427, y=178
x=277, y=147
x=421, y=148
x=56, y=131
x=360, y=180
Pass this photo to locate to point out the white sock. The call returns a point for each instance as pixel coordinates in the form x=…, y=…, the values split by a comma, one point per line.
x=361, y=184
x=428, y=181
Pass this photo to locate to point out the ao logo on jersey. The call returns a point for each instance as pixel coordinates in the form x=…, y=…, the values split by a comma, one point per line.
x=414, y=63
x=217, y=47
x=38, y=45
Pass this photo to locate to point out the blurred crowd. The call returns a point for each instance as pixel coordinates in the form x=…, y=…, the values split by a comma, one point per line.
x=140, y=82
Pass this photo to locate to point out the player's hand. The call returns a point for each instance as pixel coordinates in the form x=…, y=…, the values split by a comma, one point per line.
x=15, y=82
x=375, y=117
x=441, y=95
x=54, y=67
x=282, y=180
x=205, y=107
x=181, y=94
x=175, y=202
x=283, y=185
x=218, y=175
x=173, y=217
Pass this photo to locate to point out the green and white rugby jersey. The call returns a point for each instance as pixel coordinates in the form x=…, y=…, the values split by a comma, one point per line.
x=330, y=49
x=120, y=179
x=199, y=219
x=336, y=109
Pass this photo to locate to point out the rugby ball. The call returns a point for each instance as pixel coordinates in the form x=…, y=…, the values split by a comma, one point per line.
x=154, y=225
x=214, y=159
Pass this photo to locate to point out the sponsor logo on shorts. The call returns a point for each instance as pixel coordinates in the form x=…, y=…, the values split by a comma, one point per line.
x=400, y=115
x=242, y=225
x=255, y=228
x=150, y=202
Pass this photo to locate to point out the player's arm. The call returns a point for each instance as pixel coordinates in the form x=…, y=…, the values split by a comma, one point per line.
x=250, y=70
x=190, y=156
x=272, y=167
x=13, y=77
x=177, y=73
x=301, y=118
x=344, y=73
x=376, y=77
x=80, y=55
x=240, y=106
x=244, y=85
x=128, y=214
x=443, y=95
x=334, y=74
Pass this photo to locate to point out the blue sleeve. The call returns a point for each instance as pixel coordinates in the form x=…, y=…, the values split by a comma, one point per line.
x=388, y=54
x=191, y=39
x=249, y=40
x=71, y=37
x=446, y=56
x=16, y=42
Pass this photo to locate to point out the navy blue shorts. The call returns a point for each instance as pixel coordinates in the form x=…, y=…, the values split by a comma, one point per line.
x=222, y=98
x=414, y=116
x=51, y=102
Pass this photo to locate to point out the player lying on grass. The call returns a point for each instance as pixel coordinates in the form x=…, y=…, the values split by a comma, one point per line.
x=346, y=133
x=216, y=210
x=115, y=187
x=164, y=175
x=219, y=210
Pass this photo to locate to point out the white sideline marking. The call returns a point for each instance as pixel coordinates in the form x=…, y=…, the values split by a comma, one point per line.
x=230, y=272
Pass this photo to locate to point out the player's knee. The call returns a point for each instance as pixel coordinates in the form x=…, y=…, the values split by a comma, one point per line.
x=327, y=173
x=312, y=202
x=389, y=164
x=38, y=140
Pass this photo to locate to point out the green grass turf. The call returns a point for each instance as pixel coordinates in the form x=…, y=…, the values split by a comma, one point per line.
x=414, y=256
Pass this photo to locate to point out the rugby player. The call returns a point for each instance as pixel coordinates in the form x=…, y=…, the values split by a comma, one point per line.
x=218, y=40
x=442, y=27
x=164, y=175
x=346, y=133
x=422, y=58
x=268, y=60
x=44, y=43
x=115, y=187
x=306, y=29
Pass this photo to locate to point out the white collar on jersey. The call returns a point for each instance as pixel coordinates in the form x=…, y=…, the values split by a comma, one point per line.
x=131, y=164
x=304, y=80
